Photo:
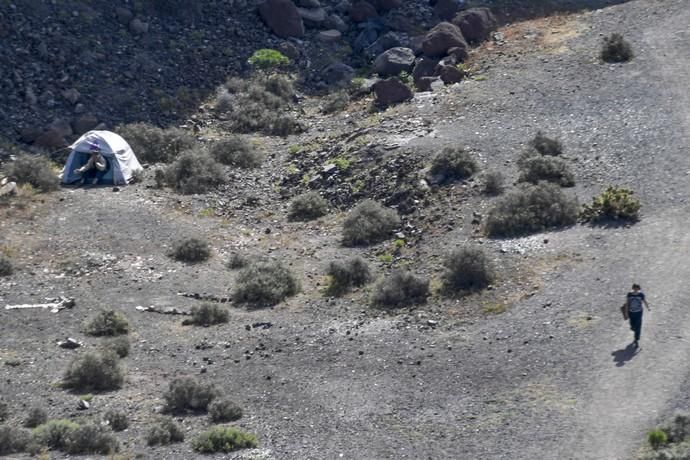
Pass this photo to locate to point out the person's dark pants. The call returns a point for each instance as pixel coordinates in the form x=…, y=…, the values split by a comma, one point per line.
x=89, y=175
x=636, y=323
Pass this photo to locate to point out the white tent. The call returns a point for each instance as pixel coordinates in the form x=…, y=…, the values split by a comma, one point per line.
x=122, y=163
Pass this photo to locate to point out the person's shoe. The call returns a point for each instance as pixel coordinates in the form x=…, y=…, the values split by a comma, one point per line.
x=636, y=344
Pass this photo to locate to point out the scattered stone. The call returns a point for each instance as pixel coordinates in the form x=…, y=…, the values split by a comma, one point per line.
x=394, y=61
x=282, y=17
x=335, y=22
x=476, y=24
x=162, y=311
x=362, y=11
x=338, y=74
x=330, y=36
x=391, y=91
x=83, y=405
x=71, y=95
x=124, y=16
x=451, y=74
x=84, y=123
x=54, y=304
x=447, y=9
x=138, y=27
x=441, y=38
x=69, y=343
x=313, y=17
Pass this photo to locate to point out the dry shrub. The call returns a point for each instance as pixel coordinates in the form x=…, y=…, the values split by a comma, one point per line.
x=6, y=267
x=613, y=204
x=95, y=371
x=308, y=206
x=346, y=274
x=208, y=314
x=117, y=420
x=165, y=431
x=616, y=49
x=223, y=439
x=264, y=284
x=118, y=345
x=369, y=222
x=453, y=163
x=191, y=250
x=467, y=268
x=33, y=170
x=494, y=183
x=400, y=289
x=156, y=145
x=107, y=322
x=224, y=410
x=535, y=168
x=237, y=151
x=195, y=172
x=186, y=394
x=36, y=416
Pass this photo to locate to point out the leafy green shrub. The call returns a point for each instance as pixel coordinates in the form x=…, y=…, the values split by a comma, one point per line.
x=36, y=416
x=117, y=420
x=616, y=49
x=107, y=322
x=308, y=206
x=400, y=289
x=191, y=250
x=187, y=394
x=54, y=433
x=223, y=439
x=194, y=172
x=369, y=222
x=345, y=274
x=237, y=151
x=536, y=168
x=6, y=268
x=531, y=209
x=453, y=163
x=614, y=203
x=165, y=431
x=224, y=410
x=208, y=314
x=657, y=438
x=91, y=439
x=95, y=371
x=266, y=58
x=545, y=145
x=467, y=268
x=155, y=145
x=33, y=170
x=264, y=284
x=119, y=345
x=493, y=183
x=13, y=440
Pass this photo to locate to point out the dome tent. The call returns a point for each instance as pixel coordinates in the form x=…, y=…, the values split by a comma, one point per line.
x=122, y=163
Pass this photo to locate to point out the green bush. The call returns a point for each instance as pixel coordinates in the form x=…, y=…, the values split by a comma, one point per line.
x=308, y=206
x=264, y=284
x=186, y=394
x=117, y=420
x=614, y=203
x=107, y=322
x=657, y=438
x=6, y=268
x=191, y=250
x=95, y=371
x=224, y=410
x=616, y=49
x=545, y=145
x=223, y=439
x=119, y=345
x=36, y=416
x=33, y=170
x=369, y=222
x=194, y=172
x=493, y=183
x=54, y=433
x=165, y=431
x=345, y=274
x=13, y=440
x=91, y=439
x=155, y=145
x=400, y=289
x=531, y=209
x=467, y=268
x=237, y=151
x=537, y=168
x=266, y=58
x=453, y=163
x=208, y=314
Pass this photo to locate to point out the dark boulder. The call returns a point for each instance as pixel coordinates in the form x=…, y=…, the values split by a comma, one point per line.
x=282, y=17
x=391, y=91
x=441, y=38
x=476, y=24
x=394, y=61
x=362, y=11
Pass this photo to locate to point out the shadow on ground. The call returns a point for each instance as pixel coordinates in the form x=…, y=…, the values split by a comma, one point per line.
x=622, y=356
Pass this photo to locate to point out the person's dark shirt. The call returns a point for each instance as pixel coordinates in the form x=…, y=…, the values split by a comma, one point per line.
x=635, y=301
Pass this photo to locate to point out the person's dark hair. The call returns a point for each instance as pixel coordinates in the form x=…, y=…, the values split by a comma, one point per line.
x=636, y=286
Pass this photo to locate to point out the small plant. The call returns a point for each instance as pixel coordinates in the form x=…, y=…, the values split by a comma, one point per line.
x=678, y=428
x=33, y=170
x=308, y=206
x=531, y=209
x=493, y=183
x=336, y=103
x=237, y=151
x=453, y=163
x=107, y=322
x=119, y=345
x=13, y=440
x=345, y=274
x=208, y=314
x=369, y=222
x=186, y=394
x=91, y=439
x=281, y=86
x=95, y=371
x=238, y=260
x=546, y=145
x=267, y=59
x=616, y=49
x=194, y=172
x=165, y=431
x=36, y=416
x=657, y=438
x=4, y=411
x=224, y=410
x=6, y=268
x=191, y=250
x=264, y=284
x=614, y=203
x=117, y=420
x=223, y=439
x=536, y=168
x=400, y=289
x=467, y=268
x=54, y=433
x=155, y=145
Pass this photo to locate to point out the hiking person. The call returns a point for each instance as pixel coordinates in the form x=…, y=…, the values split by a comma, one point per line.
x=633, y=304
x=95, y=168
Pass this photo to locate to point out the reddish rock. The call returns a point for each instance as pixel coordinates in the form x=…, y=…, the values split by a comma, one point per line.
x=282, y=17
x=391, y=91
x=441, y=38
x=476, y=24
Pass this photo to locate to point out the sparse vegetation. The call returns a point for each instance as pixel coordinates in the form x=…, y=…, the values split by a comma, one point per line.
x=36, y=416
x=194, y=172
x=155, y=145
x=13, y=440
x=467, y=268
x=208, y=314
x=308, y=206
x=369, y=222
x=33, y=170
x=224, y=410
x=165, y=431
x=223, y=439
x=117, y=420
x=337, y=102
x=238, y=260
x=614, y=203
x=535, y=168
x=453, y=163
x=95, y=371
x=267, y=58
x=616, y=49
x=119, y=345
x=545, y=145
x=531, y=209
x=107, y=323
x=264, y=284
x=186, y=394
x=670, y=441
x=657, y=438
x=400, y=289
x=493, y=183
x=345, y=274
x=6, y=268
x=191, y=250
x=54, y=434
x=237, y=151
x=91, y=439
x=4, y=411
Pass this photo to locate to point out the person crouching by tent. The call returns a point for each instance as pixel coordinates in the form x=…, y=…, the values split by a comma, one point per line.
x=95, y=168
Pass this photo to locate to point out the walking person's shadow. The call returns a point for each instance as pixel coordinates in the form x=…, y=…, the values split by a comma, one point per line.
x=622, y=356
